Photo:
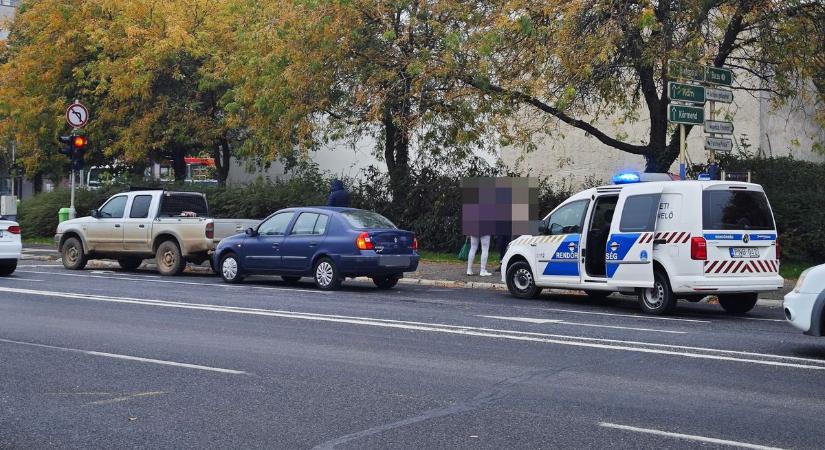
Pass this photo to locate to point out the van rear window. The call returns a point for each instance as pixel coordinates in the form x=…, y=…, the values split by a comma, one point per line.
x=736, y=210
x=172, y=205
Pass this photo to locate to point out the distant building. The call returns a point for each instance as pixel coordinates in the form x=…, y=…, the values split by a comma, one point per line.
x=7, y=8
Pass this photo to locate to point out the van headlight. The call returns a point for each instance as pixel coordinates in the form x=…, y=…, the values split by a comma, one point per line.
x=801, y=280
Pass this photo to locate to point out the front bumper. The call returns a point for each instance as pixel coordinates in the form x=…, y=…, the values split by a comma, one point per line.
x=726, y=285
x=798, y=308
x=365, y=265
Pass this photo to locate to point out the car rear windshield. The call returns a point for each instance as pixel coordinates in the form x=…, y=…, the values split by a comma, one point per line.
x=367, y=219
x=736, y=210
x=183, y=205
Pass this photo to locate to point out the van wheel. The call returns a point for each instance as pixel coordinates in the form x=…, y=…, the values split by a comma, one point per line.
x=659, y=299
x=738, y=303
x=231, y=269
x=72, y=254
x=169, y=259
x=326, y=275
x=130, y=263
x=520, y=281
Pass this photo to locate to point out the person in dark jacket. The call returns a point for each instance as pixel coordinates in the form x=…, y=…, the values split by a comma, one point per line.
x=338, y=196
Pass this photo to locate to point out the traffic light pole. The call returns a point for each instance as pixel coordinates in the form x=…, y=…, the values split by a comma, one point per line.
x=72, y=211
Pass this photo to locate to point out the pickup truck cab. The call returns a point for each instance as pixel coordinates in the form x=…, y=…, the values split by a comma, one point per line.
x=172, y=227
x=664, y=240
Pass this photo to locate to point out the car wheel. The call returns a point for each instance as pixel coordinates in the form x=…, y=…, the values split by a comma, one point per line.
x=520, y=281
x=72, y=254
x=326, y=275
x=169, y=259
x=129, y=263
x=659, y=299
x=738, y=303
x=598, y=295
x=290, y=280
x=231, y=269
x=386, y=281
x=8, y=268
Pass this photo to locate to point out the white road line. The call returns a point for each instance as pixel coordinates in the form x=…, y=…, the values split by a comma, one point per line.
x=128, y=357
x=21, y=279
x=190, y=283
x=689, y=437
x=579, y=324
x=632, y=316
x=577, y=341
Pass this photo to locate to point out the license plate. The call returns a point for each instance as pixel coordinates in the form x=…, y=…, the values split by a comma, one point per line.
x=394, y=260
x=744, y=252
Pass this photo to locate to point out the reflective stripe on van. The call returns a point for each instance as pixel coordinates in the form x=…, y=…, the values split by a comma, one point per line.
x=741, y=266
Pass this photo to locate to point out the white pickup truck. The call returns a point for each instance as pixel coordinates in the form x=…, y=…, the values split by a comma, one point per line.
x=172, y=227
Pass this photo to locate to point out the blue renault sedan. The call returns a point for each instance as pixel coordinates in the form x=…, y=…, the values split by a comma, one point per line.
x=328, y=244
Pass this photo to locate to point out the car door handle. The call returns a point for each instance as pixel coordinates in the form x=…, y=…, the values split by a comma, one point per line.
x=117, y=225
x=276, y=245
x=313, y=244
x=141, y=226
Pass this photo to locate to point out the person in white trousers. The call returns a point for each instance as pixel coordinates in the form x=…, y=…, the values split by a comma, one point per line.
x=485, y=251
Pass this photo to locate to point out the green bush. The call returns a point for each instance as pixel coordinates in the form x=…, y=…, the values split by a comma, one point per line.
x=38, y=215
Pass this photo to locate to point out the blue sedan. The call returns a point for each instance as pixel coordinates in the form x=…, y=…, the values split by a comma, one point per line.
x=328, y=244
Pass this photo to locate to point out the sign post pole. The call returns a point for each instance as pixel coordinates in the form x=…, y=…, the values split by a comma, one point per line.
x=77, y=116
x=682, y=171
x=712, y=167
x=72, y=211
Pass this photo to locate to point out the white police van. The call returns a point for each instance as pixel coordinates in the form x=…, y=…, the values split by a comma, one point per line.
x=662, y=240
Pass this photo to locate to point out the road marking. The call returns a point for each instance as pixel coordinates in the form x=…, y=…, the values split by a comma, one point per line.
x=128, y=357
x=21, y=279
x=689, y=437
x=559, y=339
x=126, y=398
x=632, y=316
x=579, y=324
x=189, y=283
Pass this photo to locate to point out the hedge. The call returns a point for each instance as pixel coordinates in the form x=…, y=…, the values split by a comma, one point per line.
x=796, y=190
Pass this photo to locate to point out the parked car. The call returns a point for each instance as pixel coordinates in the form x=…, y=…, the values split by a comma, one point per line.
x=172, y=227
x=325, y=243
x=10, y=246
x=805, y=305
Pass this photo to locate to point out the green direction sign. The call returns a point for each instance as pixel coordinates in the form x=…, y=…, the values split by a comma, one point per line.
x=716, y=75
x=689, y=115
x=681, y=70
x=686, y=92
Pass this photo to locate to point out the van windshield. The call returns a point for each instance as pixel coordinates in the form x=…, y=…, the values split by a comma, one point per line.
x=736, y=210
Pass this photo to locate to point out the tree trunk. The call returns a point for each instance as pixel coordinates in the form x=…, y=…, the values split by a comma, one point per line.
x=179, y=164
x=396, y=155
x=222, y=155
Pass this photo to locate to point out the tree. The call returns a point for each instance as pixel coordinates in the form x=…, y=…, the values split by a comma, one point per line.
x=146, y=69
x=310, y=72
x=571, y=60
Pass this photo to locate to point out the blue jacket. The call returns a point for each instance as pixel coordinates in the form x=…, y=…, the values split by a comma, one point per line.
x=338, y=196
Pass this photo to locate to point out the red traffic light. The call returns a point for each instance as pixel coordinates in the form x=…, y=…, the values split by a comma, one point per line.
x=79, y=141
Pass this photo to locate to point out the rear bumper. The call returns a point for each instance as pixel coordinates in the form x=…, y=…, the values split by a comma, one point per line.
x=361, y=265
x=709, y=286
x=10, y=250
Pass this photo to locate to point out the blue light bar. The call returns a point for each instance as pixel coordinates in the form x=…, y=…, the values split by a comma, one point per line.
x=627, y=178
x=704, y=177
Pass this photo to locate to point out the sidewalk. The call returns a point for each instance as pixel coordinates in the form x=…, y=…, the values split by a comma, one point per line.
x=429, y=273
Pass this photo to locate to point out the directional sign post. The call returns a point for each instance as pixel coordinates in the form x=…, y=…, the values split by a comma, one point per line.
x=717, y=75
x=718, y=95
x=690, y=93
x=718, y=127
x=682, y=70
x=688, y=115
x=715, y=144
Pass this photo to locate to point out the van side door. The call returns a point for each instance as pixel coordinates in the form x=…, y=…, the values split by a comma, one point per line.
x=557, y=250
x=629, y=252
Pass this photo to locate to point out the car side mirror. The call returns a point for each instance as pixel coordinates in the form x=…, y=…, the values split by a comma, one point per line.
x=95, y=213
x=251, y=232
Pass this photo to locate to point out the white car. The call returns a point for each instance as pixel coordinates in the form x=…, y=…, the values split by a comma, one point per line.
x=10, y=246
x=805, y=305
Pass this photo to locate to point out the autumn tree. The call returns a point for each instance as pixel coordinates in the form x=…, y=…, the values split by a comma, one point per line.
x=146, y=69
x=575, y=62
x=310, y=72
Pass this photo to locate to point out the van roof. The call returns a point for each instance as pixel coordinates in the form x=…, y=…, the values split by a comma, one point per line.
x=703, y=184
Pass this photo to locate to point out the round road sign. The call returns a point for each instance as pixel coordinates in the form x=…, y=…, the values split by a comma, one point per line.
x=77, y=115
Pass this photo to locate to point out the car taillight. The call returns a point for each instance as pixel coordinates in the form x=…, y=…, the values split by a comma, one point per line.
x=415, y=243
x=14, y=229
x=698, y=248
x=210, y=230
x=778, y=250
x=363, y=241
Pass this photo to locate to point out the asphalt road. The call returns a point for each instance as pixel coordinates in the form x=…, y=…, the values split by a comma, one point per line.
x=113, y=359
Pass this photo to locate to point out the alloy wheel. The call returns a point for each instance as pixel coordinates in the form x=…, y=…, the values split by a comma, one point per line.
x=324, y=273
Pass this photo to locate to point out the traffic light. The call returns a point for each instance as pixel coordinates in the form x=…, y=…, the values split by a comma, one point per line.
x=66, y=145
x=75, y=148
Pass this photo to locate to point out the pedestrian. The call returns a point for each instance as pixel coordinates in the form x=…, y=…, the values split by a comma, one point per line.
x=338, y=195
x=502, y=241
x=485, y=252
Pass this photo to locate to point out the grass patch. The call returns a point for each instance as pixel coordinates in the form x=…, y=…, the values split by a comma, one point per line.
x=428, y=256
x=38, y=240
x=790, y=270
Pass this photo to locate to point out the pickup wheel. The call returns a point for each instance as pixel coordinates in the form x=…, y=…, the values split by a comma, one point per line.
x=130, y=263
x=386, y=281
x=169, y=259
x=72, y=254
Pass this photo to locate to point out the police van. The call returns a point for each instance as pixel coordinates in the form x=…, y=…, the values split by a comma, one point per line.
x=662, y=240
